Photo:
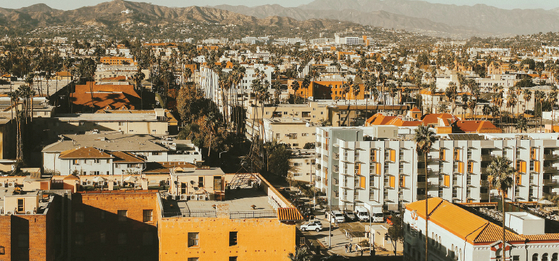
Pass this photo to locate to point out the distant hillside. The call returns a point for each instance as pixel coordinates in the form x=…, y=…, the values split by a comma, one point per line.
x=109, y=14
x=418, y=15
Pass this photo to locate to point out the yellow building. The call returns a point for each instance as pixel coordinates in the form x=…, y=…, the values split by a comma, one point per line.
x=254, y=222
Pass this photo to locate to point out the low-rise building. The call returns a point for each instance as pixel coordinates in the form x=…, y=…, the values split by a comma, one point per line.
x=458, y=234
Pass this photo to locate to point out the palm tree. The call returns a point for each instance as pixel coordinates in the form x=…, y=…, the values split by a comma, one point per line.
x=424, y=138
x=451, y=94
x=527, y=96
x=500, y=172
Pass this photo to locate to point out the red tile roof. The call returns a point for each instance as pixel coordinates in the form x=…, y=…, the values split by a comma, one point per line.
x=84, y=153
x=101, y=96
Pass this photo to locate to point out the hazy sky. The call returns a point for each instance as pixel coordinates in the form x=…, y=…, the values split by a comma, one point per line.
x=73, y=4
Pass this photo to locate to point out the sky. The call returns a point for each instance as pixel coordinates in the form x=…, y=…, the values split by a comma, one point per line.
x=73, y=4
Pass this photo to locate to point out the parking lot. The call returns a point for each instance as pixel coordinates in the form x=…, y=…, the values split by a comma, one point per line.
x=341, y=235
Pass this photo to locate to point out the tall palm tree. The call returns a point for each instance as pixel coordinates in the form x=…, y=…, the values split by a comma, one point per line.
x=501, y=173
x=424, y=138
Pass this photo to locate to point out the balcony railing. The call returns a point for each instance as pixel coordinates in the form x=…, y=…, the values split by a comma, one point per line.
x=549, y=182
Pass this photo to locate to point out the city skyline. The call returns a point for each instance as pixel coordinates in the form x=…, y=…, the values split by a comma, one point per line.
x=73, y=4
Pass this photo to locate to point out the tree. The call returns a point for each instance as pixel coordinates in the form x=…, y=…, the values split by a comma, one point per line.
x=301, y=254
x=424, y=138
x=500, y=173
x=278, y=158
x=521, y=124
x=396, y=231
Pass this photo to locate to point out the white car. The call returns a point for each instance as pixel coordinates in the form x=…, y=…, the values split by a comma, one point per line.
x=313, y=225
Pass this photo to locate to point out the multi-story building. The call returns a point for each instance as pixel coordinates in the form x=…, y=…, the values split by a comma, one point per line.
x=458, y=234
x=294, y=132
x=358, y=166
x=69, y=154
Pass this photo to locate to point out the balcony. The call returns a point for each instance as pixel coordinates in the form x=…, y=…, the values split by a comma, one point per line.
x=550, y=182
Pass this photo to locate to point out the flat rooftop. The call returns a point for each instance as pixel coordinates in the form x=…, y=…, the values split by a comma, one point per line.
x=238, y=202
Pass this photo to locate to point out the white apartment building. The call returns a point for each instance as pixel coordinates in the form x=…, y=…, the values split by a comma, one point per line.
x=356, y=167
x=458, y=234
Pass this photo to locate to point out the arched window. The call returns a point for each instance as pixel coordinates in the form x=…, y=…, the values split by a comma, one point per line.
x=554, y=257
x=544, y=257
x=535, y=257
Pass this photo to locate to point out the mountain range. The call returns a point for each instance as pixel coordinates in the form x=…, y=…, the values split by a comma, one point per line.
x=481, y=20
x=418, y=16
x=110, y=14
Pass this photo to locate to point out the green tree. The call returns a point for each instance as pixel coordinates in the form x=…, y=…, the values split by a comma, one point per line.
x=424, y=138
x=501, y=173
x=396, y=231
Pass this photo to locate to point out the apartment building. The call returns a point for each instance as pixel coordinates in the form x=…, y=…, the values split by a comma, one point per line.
x=458, y=234
x=356, y=166
x=291, y=131
x=251, y=222
x=84, y=153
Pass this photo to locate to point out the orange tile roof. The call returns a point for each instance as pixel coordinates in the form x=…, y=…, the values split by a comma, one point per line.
x=84, y=153
x=102, y=96
x=289, y=214
x=125, y=157
x=461, y=222
x=477, y=127
x=434, y=118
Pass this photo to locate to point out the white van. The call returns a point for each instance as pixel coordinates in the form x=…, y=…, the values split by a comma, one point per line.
x=336, y=216
x=362, y=213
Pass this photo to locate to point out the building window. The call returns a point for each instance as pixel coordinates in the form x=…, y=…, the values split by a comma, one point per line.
x=20, y=205
x=121, y=238
x=193, y=239
x=148, y=215
x=233, y=238
x=122, y=214
x=79, y=217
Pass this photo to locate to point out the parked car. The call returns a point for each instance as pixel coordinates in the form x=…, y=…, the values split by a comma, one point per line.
x=312, y=225
x=336, y=216
x=349, y=215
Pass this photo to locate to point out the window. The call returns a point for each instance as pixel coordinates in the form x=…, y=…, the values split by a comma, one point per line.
x=122, y=214
x=121, y=238
x=79, y=217
x=148, y=215
x=193, y=239
x=232, y=238
x=20, y=205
